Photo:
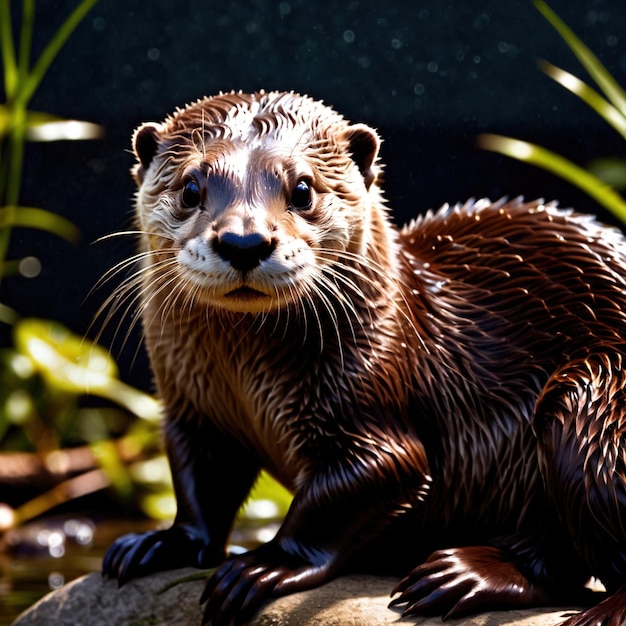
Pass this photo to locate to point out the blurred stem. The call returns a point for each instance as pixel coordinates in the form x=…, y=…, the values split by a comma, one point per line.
x=26, y=37
x=139, y=403
x=6, y=46
x=8, y=315
x=589, y=61
x=609, y=113
x=13, y=177
x=82, y=485
x=21, y=82
x=54, y=46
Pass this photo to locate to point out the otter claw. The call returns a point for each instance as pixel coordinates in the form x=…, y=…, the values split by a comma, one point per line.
x=610, y=612
x=242, y=583
x=135, y=555
x=460, y=581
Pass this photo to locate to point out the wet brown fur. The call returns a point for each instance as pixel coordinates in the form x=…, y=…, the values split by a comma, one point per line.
x=464, y=373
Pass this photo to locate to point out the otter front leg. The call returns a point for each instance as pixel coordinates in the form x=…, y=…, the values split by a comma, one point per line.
x=329, y=520
x=581, y=426
x=299, y=557
x=212, y=476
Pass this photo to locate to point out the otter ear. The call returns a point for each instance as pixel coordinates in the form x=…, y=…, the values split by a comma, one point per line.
x=146, y=142
x=363, y=143
x=145, y=145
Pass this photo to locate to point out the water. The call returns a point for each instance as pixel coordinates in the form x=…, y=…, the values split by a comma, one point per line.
x=44, y=556
x=24, y=580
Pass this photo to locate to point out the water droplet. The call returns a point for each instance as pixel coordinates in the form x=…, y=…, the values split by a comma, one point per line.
x=56, y=580
x=29, y=267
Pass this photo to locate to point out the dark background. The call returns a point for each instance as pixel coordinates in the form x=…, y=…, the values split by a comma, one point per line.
x=429, y=75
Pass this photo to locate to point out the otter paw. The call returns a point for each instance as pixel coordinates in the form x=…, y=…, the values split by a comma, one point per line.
x=459, y=581
x=610, y=612
x=242, y=583
x=135, y=555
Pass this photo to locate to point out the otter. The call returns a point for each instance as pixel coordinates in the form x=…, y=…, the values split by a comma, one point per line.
x=446, y=398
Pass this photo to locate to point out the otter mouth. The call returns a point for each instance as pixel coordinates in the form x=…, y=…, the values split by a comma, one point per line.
x=245, y=294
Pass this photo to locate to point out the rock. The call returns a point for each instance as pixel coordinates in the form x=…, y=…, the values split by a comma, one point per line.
x=171, y=599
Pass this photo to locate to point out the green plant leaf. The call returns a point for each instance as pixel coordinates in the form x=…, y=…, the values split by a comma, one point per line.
x=9, y=64
x=63, y=130
x=26, y=37
x=159, y=506
x=66, y=361
x=266, y=490
x=108, y=458
x=8, y=315
x=47, y=127
x=611, y=170
x=52, y=49
x=32, y=217
x=70, y=363
x=590, y=96
x=33, y=118
x=552, y=162
x=590, y=62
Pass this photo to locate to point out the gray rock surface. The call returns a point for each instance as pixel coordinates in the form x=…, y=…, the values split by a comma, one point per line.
x=155, y=601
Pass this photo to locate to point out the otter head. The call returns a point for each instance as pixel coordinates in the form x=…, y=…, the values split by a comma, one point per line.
x=246, y=200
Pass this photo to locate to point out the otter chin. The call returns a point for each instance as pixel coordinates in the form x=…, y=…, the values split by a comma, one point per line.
x=246, y=294
x=444, y=400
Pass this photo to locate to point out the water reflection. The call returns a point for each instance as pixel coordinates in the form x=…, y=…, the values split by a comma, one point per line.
x=44, y=555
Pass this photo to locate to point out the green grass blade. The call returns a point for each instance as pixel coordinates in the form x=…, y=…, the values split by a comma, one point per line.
x=54, y=46
x=612, y=170
x=33, y=119
x=560, y=166
x=588, y=95
x=47, y=127
x=590, y=62
x=9, y=65
x=26, y=38
x=32, y=217
x=8, y=315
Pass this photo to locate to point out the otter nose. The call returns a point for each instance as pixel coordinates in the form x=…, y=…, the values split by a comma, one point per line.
x=243, y=252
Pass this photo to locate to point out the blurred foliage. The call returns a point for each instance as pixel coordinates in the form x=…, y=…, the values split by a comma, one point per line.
x=604, y=175
x=48, y=386
x=48, y=383
x=60, y=392
x=18, y=124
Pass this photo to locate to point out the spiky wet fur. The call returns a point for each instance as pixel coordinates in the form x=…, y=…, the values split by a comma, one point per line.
x=414, y=371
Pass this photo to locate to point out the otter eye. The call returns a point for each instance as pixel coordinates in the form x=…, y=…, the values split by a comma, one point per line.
x=191, y=195
x=301, y=196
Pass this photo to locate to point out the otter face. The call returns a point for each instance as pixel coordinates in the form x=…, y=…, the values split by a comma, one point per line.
x=246, y=200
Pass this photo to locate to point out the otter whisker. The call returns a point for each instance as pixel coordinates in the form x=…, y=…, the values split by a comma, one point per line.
x=328, y=300
x=166, y=283
x=120, y=299
x=327, y=303
x=299, y=313
x=386, y=297
x=122, y=233
x=133, y=261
